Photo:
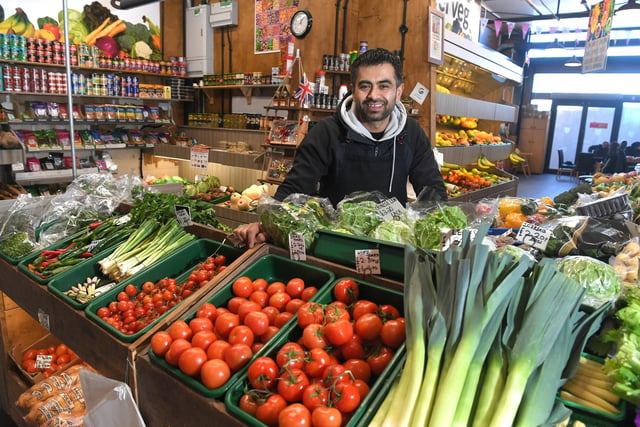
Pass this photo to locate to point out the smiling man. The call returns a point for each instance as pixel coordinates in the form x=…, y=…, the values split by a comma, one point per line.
x=369, y=144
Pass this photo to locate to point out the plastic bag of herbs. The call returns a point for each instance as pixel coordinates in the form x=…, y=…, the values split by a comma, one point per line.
x=19, y=225
x=296, y=214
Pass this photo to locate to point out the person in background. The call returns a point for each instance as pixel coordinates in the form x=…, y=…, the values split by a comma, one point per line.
x=633, y=150
x=368, y=144
x=600, y=151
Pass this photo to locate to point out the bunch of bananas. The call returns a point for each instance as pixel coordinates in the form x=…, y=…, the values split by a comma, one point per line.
x=19, y=24
x=484, y=163
x=514, y=158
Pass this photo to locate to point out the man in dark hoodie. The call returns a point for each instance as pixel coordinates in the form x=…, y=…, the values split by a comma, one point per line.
x=369, y=144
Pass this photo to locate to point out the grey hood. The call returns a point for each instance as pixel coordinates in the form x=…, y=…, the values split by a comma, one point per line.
x=395, y=126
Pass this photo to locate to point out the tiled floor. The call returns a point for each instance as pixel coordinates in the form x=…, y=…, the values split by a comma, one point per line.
x=541, y=185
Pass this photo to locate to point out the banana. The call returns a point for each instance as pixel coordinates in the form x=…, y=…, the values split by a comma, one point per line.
x=482, y=164
x=6, y=25
x=18, y=23
x=30, y=31
x=515, y=158
x=450, y=165
x=486, y=162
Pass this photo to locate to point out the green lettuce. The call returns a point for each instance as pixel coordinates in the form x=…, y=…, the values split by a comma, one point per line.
x=393, y=231
x=599, y=279
x=427, y=230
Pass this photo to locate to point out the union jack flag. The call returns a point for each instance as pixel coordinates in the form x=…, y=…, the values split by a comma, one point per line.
x=304, y=93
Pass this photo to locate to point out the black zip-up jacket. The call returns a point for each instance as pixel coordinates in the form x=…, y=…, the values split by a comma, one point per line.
x=333, y=161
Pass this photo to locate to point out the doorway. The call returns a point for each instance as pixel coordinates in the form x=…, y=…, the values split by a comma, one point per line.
x=577, y=125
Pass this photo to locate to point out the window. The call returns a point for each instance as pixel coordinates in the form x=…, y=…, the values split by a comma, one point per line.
x=595, y=83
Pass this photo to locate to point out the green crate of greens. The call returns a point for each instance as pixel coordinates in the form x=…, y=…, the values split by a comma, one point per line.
x=272, y=268
x=178, y=265
x=340, y=248
x=379, y=386
x=16, y=248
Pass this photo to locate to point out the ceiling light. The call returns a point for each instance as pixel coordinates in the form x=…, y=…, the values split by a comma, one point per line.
x=632, y=5
x=573, y=62
x=556, y=45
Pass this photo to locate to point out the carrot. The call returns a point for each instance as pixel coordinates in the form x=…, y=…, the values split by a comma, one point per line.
x=156, y=41
x=91, y=37
x=118, y=29
x=105, y=31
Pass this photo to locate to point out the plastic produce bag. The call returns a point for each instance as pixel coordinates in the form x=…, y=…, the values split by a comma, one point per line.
x=109, y=402
x=358, y=213
x=24, y=218
x=599, y=279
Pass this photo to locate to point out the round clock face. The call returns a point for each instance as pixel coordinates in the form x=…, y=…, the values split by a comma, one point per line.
x=301, y=23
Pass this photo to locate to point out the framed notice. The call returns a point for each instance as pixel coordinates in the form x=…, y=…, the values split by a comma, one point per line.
x=435, y=37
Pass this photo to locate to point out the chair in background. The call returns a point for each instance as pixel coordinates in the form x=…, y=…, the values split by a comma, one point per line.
x=568, y=168
x=522, y=166
x=585, y=166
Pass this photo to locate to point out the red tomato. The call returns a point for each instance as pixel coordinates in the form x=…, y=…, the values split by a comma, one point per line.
x=180, y=329
x=234, y=304
x=308, y=293
x=249, y=403
x=293, y=305
x=217, y=349
x=259, y=297
x=379, y=359
x=29, y=354
x=346, y=290
x=388, y=312
x=368, y=326
x=363, y=306
x=354, y=348
x=207, y=310
x=347, y=397
x=271, y=331
x=177, y=347
x=257, y=321
x=260, y=284
x=122, y=296
x=29, y=366
x=326, y=417
x=282, y=319
x=279, y=300
x=275, y=287
x=317, y=360
x=291, y=384
x=262, y=373
x=291, y=356
x=338, y=332
x=314, y=395
x=359, y=368
x=242, y=287
x=241, y=334
x=237, y=356
x=160, y=343
x=313, y=337
x=198, y=324
x=220, y=260
x=103, y=312
x=256, y=346
x=363, y=387
x=333, y=312
x=393, y=333
x=191, y=360
x=247, y=308
x=225, y=323
x=271, y=313
x=214, y=373
x=310, y=312
x=203, y=339
x=295, y=287
x=268, y=411
x=294, y=415
x=336, y=374
x=131, y=290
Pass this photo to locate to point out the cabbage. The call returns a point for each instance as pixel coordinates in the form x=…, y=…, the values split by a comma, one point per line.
x=599, y=279
x=517, y=253
x=393, y=231
x=359, y=218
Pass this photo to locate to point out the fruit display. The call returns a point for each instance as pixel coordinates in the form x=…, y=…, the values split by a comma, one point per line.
x=515, y=158
x=460, y=180
x=513, y=211
x=466, y=138
x=19, y=24
x=465, y=122
x=47, y=357
x=247, y=199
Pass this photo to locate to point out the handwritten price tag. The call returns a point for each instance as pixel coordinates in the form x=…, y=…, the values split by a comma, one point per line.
x=297, y=250
x=450, y=238
x=391, y=209
x=368, y=261
x=43, y=361
x=534, y=236
x=183, y=215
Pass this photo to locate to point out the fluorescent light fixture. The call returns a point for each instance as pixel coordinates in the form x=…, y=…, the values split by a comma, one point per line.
x=573, y=62
x=631, y=5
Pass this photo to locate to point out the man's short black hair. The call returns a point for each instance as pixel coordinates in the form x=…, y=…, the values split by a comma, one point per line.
x=377, y=56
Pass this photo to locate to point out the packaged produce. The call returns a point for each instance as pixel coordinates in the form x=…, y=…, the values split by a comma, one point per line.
x=599, y=279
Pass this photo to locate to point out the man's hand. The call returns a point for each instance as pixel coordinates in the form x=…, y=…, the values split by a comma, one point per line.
x=251, y=234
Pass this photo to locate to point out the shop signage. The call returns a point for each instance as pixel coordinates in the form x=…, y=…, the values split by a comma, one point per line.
x=534, y=236
x=461, y=17
x=598, y=125
x=297, y=250
x=598, y=32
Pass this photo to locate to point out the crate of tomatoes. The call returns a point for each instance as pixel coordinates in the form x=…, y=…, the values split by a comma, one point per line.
x=331, y=366
x=209, y=348
x=134, y=306
x=43, y=358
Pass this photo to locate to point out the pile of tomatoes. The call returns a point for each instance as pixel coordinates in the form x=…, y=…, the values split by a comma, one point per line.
x=56, y=357
x=320, y=377
x=218, y=341
x=134, y=309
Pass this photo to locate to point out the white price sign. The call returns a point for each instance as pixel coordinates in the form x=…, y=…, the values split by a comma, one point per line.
x=450, y=238
x=368, y=261
x=297, y=250
x=534, y=236
x=43, y=361
x=391, y=209
x=183, y=214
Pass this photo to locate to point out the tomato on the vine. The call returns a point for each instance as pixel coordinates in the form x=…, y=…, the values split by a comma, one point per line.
x=359, y=368
x=363, y=306
x=262, y=373
x=346, y=290
x=346, y=397
x=388, y=312
x=291, y=384
x=314, y=395
x=310, y=312
x=326, y=417
x=317, y=359
x=368, y=326
x=379, y=359
x=313, y=336
x=249, y=403
x=338, y=332
x=291, y=356
x=393, y=333
x=269, y=410
x=294, y=415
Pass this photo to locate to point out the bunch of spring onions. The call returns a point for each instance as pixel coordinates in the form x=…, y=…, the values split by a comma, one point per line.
x=146, y=245
x=489, y=339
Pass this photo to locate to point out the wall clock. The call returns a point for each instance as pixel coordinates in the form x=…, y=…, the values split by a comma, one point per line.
x=301, y=23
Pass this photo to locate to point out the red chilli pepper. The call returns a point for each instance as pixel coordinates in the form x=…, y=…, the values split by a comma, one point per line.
x=95, y=225
x=44, y=264
x=86, y=255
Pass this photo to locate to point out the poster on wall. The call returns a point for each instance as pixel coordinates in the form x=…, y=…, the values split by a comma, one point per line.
x=134, y=32
x=598, y=33
x=272, y=19
x=461, y=17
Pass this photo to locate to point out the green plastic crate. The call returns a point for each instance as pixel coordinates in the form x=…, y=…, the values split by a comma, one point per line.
x=380, y=386
x=272, y=268
x=179, y=264
x=340, y=248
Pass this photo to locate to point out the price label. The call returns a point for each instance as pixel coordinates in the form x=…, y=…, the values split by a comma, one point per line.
x=93, y=244
x=450, y=238
x=297, y=250
x=368, y=261
x=534, y=236
x=43, y=319
x=199, y=158
x=183, y=214
x=391, y=209
x=43, y=361
x=122, y=220
x=17, y=167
